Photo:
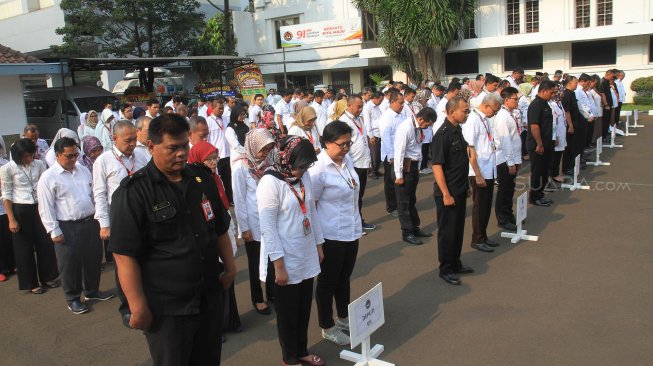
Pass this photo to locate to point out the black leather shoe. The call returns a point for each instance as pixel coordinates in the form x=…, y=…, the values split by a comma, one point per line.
x=264, y=311
x=491, y=243
x=421, y=234
x=541, y=203
x=77, y=307
x=411, y=239
x=465, y=270
x=509, y=226
x=549, y=201
x=99, y=295
x=482, y=247
x=450, y=278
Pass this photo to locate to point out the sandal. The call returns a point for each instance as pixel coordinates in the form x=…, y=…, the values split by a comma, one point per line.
x=265, y=311
x=53, y=284
x=312, y=360
x=37, y=291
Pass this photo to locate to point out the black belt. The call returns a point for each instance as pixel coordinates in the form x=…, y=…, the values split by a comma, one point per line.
x=85, y=219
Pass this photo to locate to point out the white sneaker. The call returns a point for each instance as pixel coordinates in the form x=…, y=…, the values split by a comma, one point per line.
x=426, y=171
x=336, y=336
x=342, y=324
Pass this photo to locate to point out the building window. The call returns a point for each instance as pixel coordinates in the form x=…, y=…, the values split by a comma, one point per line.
x=278, y=23
x=532, y=16
x=512, y=12
x=582, y=13
x=523, y=57
x=370, y=27
x=604, y=12
x=385, y=71
x=340, y=79
x=470, y=31
x=594, y=53
x=461, y=63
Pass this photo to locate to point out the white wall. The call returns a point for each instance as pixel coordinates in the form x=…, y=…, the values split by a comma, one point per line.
x=12, y=105
x=33, y=31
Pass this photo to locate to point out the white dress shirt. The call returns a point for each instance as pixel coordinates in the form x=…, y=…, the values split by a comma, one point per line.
x=109, y=170
x=19, y=183
x=226, y=114
x=236, y=150
x=615, y=102
x=217, y=132
x=524, y=103
x=322, y=118
x=283, y=109
x=143, y=151
x=311, y=135
x=561, y=125
x=359, y=151
x=83, y=130
x=477, y=131
x=389, y=122
x=326, y=103
x=254, y=112
x=584, y=104
x=433, y=101
x=408, y=144
x=507, y=130
x=270, y=99
x=336, y=188
x=3, y=162
x=245, y=202
x=385, y=104
x=620, y=90
x=512, y=82
x=598, y=108
x=203, y=111
x=41, y=149
x=441, y=111
x=104, y=133
x=282, y=228
x=64, y=196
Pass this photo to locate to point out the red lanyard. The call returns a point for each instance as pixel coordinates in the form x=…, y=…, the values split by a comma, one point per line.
x=411, y=108
x=129, y=172
x=310, y=136
x=514, y=119
x=217, y=123
x=421, y=132
x=489, y=134
x=302, y=204
x=360, y=128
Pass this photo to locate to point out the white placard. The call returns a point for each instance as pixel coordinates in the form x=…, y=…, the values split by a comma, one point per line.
x=577, y=167
x=366, y=315
x=599, y=146
x=522, y=204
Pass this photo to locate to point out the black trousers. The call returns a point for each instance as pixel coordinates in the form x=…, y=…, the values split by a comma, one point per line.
x=555, y=164
x=30, y=239
x=482, y=209
x=224, y=170
x=575, y=145
x=79, y=258
x=523, y=136
x=333, y=280
x=617, y=112
x=589, y=133
x=188, y=340
x=362, y=177
x=451, y=230
x=406, y=200
x=375, y=154
x=389, y=186
x=253, y=249
x=540, y=167
x=505, y=194
x=292, y=303
x=7, y=261
x=607, y=121
x=426, y=149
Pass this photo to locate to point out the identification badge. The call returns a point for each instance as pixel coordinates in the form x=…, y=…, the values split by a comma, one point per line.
x=208, y=209
x=307, y=226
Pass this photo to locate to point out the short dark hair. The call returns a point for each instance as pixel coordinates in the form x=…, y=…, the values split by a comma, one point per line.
x=353, y=98
x=20, y=148
x=63, y=143
x=125, y=106
x=479, y=76
x=31, y=128
x=440, y=88
x=508, y=92
x=168, y=109
x=546, y=85
x=377, y=94
x=333, y=131
x=319, y=94
x=453, y=86
x=491, y=79
x=503, y=84
x=394, y=96
x=428, y=114
x=367, y=90
x=409, y=91
x=152, y=101
x=176, y=99
x=518, y=70
x=171, y=124
x=465, y=80
x=285, y=92
x=584, y=77
x=453, y=103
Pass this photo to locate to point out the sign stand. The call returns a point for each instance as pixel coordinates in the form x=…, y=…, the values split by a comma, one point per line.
x=365, y=317
x=635, y=118
x=599, y=150
x=612, y=135
x=576, y=185
x=521, y=216
x=628, y=133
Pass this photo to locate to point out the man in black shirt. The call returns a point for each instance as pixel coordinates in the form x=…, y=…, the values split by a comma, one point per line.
x=451, y=168
x=170, y=231
x=607, y=102
x=540, y=142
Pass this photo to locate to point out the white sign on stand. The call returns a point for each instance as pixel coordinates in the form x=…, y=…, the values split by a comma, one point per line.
x=366, y=315
x=613, y=132
x=522, y=206
x=635, y=118
x=576, y=185
x=599, y=150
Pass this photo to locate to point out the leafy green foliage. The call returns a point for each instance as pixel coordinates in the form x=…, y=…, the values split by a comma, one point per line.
x=643, y=100
x=412, y=30
x=642, y=85
x=377, y=79
x=212, y=41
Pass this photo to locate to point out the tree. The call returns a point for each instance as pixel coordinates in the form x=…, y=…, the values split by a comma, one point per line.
x=411, y=31
x=120, y=28
x=213, y=42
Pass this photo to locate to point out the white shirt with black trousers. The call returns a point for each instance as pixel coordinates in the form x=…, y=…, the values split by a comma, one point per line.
x=507, y=137
x=66, y=208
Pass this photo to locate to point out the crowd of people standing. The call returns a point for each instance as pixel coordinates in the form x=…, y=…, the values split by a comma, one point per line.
x=167, y=196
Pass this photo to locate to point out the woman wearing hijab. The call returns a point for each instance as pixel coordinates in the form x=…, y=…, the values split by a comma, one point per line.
x=236, y=131
x=19, y=182
x=267, y=121
x=524, y=101
x=291, y=237
x=88, y=124
x=246, y=173
x=104, y=129
x=336, y=187
x=7, y=263
x=205, y=153
x=338, y=110
x=92, y=149
x=50, y=156
x=304, y=126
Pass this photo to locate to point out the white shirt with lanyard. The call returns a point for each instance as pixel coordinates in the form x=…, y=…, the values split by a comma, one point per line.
x=478, y=134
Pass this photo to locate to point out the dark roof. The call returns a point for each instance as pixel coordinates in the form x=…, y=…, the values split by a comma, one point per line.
x=10, y=56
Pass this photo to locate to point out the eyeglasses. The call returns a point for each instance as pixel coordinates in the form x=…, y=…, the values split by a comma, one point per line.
x=211, y=159
x=306, y=166
x=70, y=156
